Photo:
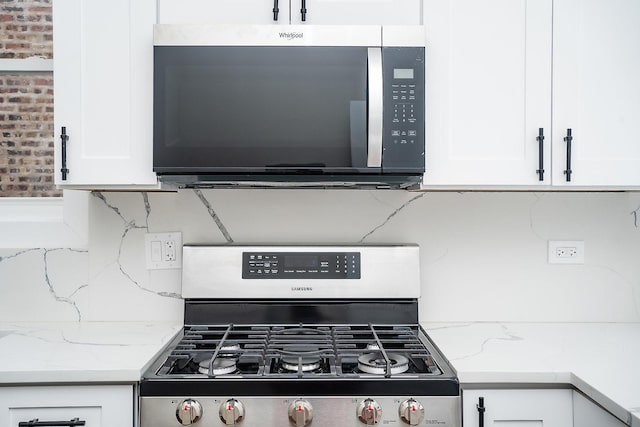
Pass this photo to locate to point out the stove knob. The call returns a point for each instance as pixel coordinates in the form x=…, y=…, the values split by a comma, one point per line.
x=369, y=411
x=411, y=412
x=231, y=412
x=300, y=412
x=189, y=412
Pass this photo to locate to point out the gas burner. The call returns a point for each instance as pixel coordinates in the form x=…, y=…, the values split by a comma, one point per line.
x=301, y=332
x=303, y=356
x=290, y=363
x=373, y=346
x=221, y=366
x=374, y=363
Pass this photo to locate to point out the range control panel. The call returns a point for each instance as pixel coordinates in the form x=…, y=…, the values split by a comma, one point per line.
x=301, y=265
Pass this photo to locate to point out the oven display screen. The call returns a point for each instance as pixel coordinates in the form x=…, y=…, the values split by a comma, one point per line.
x=300, y=261
x=301, y=265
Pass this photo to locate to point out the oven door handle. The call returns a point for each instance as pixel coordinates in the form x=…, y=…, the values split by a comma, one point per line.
x=374, y=96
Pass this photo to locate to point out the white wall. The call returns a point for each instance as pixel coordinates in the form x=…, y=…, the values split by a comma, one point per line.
x=484, y=255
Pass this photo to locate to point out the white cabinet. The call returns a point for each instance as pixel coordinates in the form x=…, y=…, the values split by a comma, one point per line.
x=98, y=406
x=325, y=12
x=357, y=12
x=588, y=414
x=103, y=77
x=492, y=68
x=596, y=91
x=222, y=12
x=518, y=408
x=488, y=91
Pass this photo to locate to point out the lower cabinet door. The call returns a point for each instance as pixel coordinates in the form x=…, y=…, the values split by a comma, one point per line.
x=588, y=414
x=92, y=416
x=518, y=408
x=97, y=406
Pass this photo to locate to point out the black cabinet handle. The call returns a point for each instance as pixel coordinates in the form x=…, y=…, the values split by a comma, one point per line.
x=64, y=137
x=275, y=10
x=36, y=422
x=481, y=410
x=568, y=140
x=303, y=11
x=540, y=139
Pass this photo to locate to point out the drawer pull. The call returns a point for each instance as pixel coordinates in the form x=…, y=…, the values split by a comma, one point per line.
x=37, y=423
x=481, y=410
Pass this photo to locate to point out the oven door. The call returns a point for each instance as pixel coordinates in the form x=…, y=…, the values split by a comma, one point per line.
x=267, y=109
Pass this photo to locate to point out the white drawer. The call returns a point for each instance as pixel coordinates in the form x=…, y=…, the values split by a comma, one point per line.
x=98, y=406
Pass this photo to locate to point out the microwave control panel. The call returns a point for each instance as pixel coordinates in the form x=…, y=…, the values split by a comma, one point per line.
x=301, y=265
x=404, y=109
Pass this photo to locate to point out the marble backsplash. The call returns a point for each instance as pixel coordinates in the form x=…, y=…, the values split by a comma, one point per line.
x=483, y=255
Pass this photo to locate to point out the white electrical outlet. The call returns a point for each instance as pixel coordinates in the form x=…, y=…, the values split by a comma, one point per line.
x=163, y=250
x=169, y=250
x=566, y=252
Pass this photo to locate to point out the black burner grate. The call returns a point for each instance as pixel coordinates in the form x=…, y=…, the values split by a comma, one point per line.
x=300, y=351
x=389, y=344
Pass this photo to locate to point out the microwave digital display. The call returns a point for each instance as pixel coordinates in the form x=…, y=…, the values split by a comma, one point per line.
x=403, y=73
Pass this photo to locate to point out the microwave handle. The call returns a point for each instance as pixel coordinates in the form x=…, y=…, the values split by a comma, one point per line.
x=374, y=139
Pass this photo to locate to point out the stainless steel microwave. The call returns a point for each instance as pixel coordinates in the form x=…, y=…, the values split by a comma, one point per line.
x=316, y=106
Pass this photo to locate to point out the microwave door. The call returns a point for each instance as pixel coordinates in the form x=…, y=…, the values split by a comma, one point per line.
x=267, y=109
x=374, y=96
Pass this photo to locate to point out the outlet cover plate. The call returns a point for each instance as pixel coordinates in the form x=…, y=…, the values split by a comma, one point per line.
x=566, y=252
x=163, y=250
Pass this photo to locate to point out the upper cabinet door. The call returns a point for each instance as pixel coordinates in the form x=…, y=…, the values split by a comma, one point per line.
x=103, y=68
x=488, y=92
x=596, y=91
x=356, y=12
x=223, y=12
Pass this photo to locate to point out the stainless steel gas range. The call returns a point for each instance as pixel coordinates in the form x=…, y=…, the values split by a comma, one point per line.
x=300, y=335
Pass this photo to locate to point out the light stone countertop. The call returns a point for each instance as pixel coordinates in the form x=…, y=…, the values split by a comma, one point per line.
x=80, y=352
x=602, y=360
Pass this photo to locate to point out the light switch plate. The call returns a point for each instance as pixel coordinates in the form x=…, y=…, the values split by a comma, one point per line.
x=163, y=250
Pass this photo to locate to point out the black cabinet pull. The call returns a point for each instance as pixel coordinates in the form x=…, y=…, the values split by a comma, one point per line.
x=64, y=137
x=275, y=10
x=303, y=11
x=36, y=422
x=568, y=140
x=540, y=139
x=481, y=410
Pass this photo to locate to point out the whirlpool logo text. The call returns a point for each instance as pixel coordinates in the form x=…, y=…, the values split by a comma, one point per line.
x=291, y=36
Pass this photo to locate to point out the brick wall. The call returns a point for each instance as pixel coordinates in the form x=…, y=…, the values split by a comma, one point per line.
x=26, y=101
x=25, y=29
x=26, y=146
